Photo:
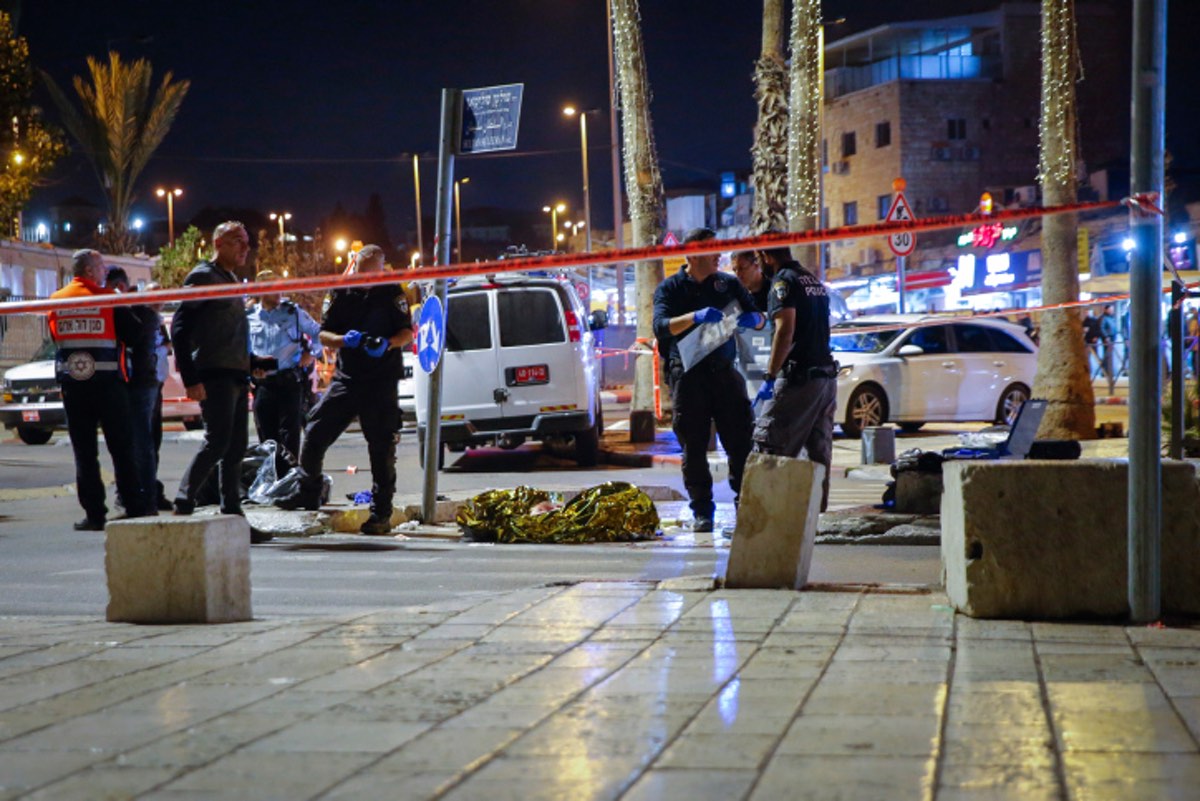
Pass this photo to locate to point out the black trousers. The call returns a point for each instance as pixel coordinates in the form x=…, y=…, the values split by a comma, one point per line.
x=278, y=410
x=226, y=417
x=700, y=398
x=101, y=402
x=375, y=405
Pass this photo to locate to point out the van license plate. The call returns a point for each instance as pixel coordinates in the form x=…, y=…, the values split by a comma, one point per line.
x=529, y=375
x=31, y=416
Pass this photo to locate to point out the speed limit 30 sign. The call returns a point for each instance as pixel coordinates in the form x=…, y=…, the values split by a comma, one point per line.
x=902, y=243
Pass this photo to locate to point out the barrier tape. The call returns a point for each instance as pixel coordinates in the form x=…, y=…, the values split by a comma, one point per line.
x=561, y=262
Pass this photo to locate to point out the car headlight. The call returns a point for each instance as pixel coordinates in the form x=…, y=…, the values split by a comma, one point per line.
x=845, y=371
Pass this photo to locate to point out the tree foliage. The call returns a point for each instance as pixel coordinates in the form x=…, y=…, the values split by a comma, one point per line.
x=120, y=120
x=299, y=259
x=176, y=261
x=29, y=147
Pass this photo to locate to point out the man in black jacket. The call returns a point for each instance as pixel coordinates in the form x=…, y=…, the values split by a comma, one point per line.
x=212, y=352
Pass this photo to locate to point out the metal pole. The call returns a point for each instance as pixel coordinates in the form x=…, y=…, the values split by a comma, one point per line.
x=900, y=281
x=587, y=192
x=1175, y=326
x=417, y=191
x=1145, y=379
x=618, y=237
x=458, y=219
x=451, y=106
x=170, y=220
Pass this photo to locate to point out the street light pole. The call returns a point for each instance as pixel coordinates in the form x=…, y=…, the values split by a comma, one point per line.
x=458, y=215
x=170, y=195
x=417, y=190
x=554, y=211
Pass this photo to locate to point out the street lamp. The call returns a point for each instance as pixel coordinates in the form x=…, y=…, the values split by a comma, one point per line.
x=458, y=215
x=412, y=262
x=170, y=195
x=286, y=215
x=571, y=111
x=554, y=211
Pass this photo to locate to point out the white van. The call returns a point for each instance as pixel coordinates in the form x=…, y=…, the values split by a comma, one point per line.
x=520, y=364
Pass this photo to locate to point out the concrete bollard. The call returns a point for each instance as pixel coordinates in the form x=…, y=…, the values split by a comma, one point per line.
x=1047, y=540
x=776, y=524
x=878, y=445
x=178, y=569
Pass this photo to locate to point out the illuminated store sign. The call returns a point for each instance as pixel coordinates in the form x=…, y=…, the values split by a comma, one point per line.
x=986, y=236
x=999, y=272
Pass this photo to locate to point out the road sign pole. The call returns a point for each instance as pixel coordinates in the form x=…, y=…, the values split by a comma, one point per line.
x=451, y=108
x=900, y=281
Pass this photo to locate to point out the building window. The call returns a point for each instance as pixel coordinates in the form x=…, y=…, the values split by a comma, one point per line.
x=849, y=146
x=825, y=217
x=884, y=202
x=850, y=214
x=986, y=123
x=883, y=134
x=956, y=128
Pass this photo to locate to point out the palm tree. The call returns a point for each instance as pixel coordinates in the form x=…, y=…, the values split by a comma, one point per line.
x=804, y=133
x=770, y=134
x=1062, y=375
x=120, y=121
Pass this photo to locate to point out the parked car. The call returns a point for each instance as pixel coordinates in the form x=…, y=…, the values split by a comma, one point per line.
x=908, y=370
x=31, y=399
x=520, y=364
x=406, y=391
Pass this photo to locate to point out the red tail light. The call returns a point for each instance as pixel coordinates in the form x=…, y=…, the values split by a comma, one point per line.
x=574, y=330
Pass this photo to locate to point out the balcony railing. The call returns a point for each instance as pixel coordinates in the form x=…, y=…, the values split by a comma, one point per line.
x=844, y=80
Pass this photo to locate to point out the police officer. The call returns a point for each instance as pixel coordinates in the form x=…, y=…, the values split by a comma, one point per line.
x=212, y=352
x=369, y=328
x=712, y=391
x=286, y=341
x=799, y=392
x=90, y=366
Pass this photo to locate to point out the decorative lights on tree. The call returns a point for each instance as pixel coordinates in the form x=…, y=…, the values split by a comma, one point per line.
x=804, y=129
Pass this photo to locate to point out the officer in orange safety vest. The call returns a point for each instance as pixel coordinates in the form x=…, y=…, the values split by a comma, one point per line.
x=90, y=366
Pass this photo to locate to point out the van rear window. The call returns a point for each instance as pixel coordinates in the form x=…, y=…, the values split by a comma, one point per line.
x=529, y=317
x=468, y=322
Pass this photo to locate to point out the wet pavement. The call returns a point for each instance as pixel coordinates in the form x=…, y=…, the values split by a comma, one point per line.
x=602, y=690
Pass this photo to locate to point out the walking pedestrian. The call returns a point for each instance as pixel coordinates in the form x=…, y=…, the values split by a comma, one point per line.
x=1108, y=337
x=212, y=352
x=144, y=393
x=90, y=367
x=369, y=328
x=712, y=391
x=285, y=340
x=799, y=393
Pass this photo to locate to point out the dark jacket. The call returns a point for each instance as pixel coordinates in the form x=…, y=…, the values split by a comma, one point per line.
x=211, y=337
x=143, y=347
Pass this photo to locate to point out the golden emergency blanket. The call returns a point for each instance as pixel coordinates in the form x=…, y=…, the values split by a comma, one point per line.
x=612, y=512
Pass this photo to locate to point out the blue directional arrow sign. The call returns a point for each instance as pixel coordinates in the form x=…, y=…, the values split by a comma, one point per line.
x=431, y=334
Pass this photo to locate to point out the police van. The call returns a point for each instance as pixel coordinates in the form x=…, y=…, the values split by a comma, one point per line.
x=519, y=364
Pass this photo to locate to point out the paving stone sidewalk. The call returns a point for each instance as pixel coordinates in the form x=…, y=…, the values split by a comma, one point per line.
x=604, y=690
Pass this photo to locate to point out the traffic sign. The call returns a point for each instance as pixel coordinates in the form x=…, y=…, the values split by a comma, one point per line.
x=490, y=118
x=582, y=289
x=431, y=334
x=902, y=243
x=670, y=239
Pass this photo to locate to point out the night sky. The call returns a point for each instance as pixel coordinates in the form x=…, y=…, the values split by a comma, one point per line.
x=299, y=105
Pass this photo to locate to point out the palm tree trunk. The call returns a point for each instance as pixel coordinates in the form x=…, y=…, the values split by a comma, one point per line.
x=804, y=130
x=770, y=135
x=1063, y=375
x=643, y=184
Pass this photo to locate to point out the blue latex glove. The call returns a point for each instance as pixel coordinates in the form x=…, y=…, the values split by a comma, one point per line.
x=352, y=339
x=749, y=320
x=766, y=392
x=708, y=315
x=378, y=349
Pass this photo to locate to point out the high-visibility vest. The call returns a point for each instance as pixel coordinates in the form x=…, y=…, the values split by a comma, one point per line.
x=86, y=337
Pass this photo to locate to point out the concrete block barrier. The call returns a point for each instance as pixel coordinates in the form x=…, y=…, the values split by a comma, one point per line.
x=178, y=569
x=1048, y=539
x=776, y=523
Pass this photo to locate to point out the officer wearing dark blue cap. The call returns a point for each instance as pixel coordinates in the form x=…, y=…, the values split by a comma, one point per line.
x=712, y=390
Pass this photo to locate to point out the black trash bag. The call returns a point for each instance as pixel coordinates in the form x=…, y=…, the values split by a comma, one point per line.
x=290, y=488
x=210, y=492
x=919, y=461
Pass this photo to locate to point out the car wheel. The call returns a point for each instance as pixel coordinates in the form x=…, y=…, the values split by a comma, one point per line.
x=34, y=436
x=911, y=428
x=1010, y=403
x=867, y=407
x=587, y=443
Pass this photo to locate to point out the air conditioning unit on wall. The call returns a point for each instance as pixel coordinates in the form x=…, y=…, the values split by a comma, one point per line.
x=840, y=167
x=1025, y=195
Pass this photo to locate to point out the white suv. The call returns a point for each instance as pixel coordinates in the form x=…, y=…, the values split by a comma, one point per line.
x=520, y=364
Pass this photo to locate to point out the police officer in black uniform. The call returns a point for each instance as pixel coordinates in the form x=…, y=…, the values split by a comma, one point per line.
x=799, y=393
x=712, y=391
x=369, y=328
